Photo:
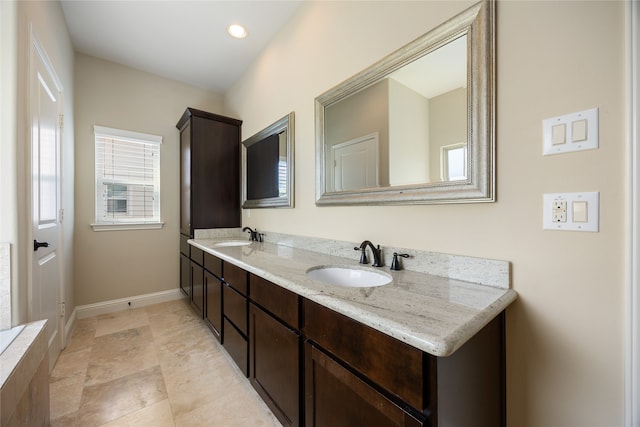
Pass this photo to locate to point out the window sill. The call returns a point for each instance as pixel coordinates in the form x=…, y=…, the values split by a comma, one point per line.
x=127, y=226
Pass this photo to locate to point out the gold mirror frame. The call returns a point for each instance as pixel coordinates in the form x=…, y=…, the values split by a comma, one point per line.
x=477, y=23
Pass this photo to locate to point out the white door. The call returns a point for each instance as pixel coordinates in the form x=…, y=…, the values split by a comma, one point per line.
x=355, y=164
x=45, y=284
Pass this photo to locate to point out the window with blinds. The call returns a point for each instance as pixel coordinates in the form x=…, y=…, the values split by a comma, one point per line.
x=127, y=177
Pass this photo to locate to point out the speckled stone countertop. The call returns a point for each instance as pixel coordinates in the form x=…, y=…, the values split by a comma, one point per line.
x=432, y=313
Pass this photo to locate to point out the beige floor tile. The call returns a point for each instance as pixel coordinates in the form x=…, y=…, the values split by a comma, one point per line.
x=69, y=420
x=121, y=321
x=83, y=335
x=65, y=395
x=152, y=366
x=121, y=354
x=70, y=364
x=106, y=402
x=235, y=407
x=156, y=415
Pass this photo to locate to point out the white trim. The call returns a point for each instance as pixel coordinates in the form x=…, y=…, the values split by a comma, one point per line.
x=68, y=329
x=632, y=353
x=126, y=135
x=90, y=310
x=132, y=226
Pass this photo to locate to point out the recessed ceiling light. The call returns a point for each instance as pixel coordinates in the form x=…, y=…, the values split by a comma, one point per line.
x=237, y=31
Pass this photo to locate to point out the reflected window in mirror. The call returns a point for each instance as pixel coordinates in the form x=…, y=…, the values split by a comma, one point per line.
x=435, y=92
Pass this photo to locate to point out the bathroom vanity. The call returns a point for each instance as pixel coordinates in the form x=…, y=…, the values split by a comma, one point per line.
x=424, y=350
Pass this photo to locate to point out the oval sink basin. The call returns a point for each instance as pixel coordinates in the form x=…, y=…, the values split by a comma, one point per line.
x=233, y=243
x=350, y=277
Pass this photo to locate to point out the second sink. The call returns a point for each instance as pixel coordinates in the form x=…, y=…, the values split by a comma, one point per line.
x=351, y=277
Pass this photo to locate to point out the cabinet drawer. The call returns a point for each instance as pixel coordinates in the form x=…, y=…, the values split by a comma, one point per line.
x=213, y=303
x=197, y=255
x=236, y=277
x=184, y=246
x=336, y=397
x=236, y=346
x=213, y=264
x=277, y=300
x=394, y=365
x=235, y=308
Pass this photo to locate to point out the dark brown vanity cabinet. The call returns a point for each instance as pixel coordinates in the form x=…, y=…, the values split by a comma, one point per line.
x=185, y=267
x=275, y=348
x=213, y=294
x=235, y=315
x=356, y=375
x=209, y=171
x=315, y=367
x=197, y=280
x=209, y=186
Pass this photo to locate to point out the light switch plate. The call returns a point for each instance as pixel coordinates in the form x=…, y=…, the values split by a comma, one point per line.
x=558, y=211
x=585, y=126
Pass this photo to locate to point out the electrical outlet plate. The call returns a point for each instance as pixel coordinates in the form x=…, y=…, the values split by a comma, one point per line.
x=558, y=212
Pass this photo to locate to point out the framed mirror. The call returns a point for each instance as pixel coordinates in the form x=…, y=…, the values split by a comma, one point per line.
x=416, y=127
x=267, y=159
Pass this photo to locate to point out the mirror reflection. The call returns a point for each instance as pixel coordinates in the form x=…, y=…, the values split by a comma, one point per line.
x=268, y=166
x=408, y=128
x=418, y=125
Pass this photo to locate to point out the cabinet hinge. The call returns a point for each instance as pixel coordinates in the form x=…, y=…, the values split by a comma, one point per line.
x=61, y=121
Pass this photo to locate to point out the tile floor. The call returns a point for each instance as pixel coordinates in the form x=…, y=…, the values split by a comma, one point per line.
x=154, y=366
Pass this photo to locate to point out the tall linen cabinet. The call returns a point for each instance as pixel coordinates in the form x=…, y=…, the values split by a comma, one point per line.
x=209, y=192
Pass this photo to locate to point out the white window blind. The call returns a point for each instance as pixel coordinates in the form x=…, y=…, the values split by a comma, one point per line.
x=127, y=177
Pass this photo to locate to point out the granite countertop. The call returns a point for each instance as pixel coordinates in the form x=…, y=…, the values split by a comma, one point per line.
x=432, y=313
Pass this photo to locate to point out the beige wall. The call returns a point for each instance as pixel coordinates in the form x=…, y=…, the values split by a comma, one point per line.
x=565, y=335
x=48, y=23
x=119, y=264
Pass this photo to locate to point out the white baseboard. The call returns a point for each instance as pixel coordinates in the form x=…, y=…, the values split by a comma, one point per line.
x=68, y=328
x=90, y=310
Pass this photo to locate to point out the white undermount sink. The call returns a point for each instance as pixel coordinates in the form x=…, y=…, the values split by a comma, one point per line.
x=350, y=277
x=233, y=243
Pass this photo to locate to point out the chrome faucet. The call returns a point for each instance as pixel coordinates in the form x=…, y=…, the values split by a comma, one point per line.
x=377, y=253
x=254, y=236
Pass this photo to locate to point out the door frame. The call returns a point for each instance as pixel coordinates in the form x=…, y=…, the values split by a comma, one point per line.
x=632, y=368
x=36, y=48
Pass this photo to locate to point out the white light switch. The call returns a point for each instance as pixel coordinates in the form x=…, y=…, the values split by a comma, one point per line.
x=580, y=211
x=558, y=134
x=581, y=129
x=571, y=211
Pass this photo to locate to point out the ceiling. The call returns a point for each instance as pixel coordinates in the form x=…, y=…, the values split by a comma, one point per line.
x=180, y=40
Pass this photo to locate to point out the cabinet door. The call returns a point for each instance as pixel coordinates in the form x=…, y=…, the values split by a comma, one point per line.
x=197, y=288
x=185, y=275
x=185, y=180
x=274, y=365
x=236, y=345
x=213, y=303
x=335, y=397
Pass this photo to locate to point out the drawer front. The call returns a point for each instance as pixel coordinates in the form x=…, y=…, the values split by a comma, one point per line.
x=236, y=277
x=277, y=300
x=336, y=397
x=184, y=246
x=235, y=308
x=236, y=346
x=213, y=306
x=392, y=364
x=213, y=264
x=197, y=255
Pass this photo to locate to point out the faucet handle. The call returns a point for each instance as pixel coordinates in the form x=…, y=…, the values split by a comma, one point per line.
x=395, y=263
x=363, y=254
